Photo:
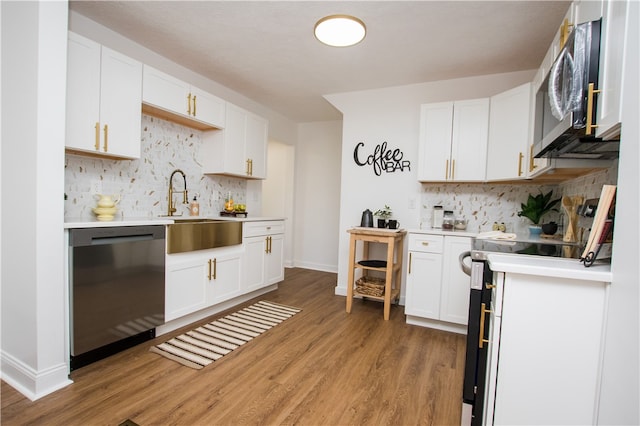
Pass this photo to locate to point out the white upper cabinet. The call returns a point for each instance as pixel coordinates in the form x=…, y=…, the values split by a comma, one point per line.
x=453, y=141
x=509, y=134
x=612, y=42
x=104, y=93
x=172, y=99
x=240, y=149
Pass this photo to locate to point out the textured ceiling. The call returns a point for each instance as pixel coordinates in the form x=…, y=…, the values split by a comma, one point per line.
x=266, y=50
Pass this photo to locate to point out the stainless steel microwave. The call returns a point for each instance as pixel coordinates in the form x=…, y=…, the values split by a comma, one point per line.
x=565, y=105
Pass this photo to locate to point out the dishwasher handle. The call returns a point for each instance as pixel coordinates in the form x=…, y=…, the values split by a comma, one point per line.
x=83, y=237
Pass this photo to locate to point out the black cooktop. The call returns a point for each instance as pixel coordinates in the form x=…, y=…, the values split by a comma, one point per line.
x=552, y=248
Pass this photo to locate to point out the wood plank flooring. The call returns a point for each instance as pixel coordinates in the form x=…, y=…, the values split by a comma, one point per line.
x=321, y=367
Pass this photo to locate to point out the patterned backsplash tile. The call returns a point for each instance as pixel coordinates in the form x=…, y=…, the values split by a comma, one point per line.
x=143, y=184
x=482, y=205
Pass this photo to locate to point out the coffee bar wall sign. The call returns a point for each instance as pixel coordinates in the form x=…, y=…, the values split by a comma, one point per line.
x=381, y=158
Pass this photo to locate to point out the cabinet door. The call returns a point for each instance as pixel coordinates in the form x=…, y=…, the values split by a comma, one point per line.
x=424, y=275
x=469, y=140
x=83, y=94
x=185, y=286
x=436, y=127
x=224, y=279
x=612, y=43
x=509, y=134
x=234, y=135
x=165, y=92
x=256, y=145
x=553, y=359
x=120, y=104
x=254, y=263
x=454, y=297
x=208, y=108
x=274, y=261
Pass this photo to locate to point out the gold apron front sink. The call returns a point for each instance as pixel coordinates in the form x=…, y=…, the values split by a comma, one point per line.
x=201, y=234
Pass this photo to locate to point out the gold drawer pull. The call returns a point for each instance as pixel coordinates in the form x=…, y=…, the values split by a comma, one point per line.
x=425, y=243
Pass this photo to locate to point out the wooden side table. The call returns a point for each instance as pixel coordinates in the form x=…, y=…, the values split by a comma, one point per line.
x=393, y=238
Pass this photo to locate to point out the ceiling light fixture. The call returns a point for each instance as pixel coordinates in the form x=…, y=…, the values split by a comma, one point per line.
x=340, y=30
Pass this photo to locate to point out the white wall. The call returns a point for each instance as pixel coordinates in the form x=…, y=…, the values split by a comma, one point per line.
x=392, y=115
x=620, y=399
x=317, y=195
x=34, y=333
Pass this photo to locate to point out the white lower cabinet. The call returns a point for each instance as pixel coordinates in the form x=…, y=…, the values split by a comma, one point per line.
x=437, y=291
x=264, y=253
x=202, y=278
x=545, y=350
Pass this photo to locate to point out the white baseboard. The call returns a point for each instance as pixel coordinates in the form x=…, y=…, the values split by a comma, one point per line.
x=317, y=266
x=31, y=383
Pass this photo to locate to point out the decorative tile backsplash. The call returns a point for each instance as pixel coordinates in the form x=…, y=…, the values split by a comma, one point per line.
x=143, y=184
x=482, y=205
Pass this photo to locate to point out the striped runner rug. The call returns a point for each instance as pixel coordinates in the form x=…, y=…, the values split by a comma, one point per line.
x=202, y=346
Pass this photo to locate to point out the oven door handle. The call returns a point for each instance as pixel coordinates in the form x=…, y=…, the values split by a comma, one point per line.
x=465, y=267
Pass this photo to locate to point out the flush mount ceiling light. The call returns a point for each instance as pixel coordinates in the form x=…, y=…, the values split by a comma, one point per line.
x=340, y=30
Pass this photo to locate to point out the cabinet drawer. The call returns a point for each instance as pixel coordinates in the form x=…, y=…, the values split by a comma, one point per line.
x=253, y=229
x=426, y=243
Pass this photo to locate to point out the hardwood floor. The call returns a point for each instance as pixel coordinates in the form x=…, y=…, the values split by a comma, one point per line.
x=321, y=367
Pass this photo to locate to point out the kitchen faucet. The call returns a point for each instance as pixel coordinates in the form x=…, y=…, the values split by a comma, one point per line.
x=185, y=199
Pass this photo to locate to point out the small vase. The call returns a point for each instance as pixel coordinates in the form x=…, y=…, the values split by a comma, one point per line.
x=535, y=230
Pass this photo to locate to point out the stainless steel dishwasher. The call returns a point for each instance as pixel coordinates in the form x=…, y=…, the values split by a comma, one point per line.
x=117, y=289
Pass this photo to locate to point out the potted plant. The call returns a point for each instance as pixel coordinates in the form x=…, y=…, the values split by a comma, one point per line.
x=383, y=214
x=536, y=207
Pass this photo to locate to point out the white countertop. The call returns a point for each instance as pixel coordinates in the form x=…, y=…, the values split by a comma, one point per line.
x=159, y=220
x=549, y=267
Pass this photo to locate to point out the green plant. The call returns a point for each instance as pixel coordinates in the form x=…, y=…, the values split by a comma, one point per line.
x=538, y=206
x=384, y=213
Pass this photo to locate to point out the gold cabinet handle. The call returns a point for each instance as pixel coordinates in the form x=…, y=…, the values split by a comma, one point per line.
x=106, y=138
x=189, y=104
x=215, y=268
x=483, y=312
x=532, y=165
x=270, y=244
x=250, y=167
x=209, y=275
x=490, y=286
x=409, y=262
x=425, y=243
x=453, y=169
x=97, y=136
x=194, y=105
x=446, y=170
x=247, y=170
x=520, y=158
x=590, y=92
x=266, y=244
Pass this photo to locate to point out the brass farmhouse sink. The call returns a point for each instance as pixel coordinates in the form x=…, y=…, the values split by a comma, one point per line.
x=199, y=234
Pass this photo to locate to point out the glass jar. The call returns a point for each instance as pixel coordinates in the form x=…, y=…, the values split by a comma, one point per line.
x=448, y=220
x=460, y=224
